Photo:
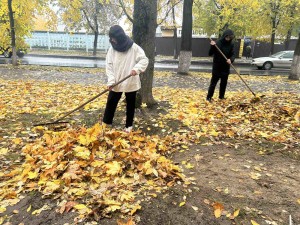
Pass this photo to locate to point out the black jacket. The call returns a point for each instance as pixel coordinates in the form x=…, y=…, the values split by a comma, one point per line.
x=227, y=47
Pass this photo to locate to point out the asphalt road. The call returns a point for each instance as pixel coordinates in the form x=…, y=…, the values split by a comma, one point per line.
x=90, y=62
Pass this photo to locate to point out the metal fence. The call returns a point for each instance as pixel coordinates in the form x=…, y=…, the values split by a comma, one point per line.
x=66, y=41
x=200, y=47
x=163, y=45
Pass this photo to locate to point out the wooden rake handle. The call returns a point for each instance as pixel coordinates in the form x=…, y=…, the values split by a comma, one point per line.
x=234, y=69
x=83, y=104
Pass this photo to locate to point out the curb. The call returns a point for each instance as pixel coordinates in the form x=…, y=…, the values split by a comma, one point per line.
x=198, y=62
x=67, y=56
x=168, y=61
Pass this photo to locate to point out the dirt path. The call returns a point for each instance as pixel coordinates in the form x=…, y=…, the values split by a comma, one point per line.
x=254, y=177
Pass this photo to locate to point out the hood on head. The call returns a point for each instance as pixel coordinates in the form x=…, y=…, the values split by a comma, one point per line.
x=123, y=41
x=117, y=33
x=229, y=33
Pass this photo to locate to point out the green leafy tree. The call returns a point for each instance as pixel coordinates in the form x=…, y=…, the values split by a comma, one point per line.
x=290, y=22
x=214, y=16
x=266, y=19
x=206, y=16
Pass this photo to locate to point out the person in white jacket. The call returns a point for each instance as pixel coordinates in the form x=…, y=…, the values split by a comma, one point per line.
x=123, y=58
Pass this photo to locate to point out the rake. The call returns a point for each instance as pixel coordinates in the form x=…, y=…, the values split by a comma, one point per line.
x=256, y=98
x=58, y=121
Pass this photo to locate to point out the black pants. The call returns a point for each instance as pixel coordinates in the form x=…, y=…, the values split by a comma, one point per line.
x=111, y=105
x=216, y=76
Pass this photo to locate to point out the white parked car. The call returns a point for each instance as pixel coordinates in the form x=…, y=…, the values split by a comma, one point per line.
x=281, y=59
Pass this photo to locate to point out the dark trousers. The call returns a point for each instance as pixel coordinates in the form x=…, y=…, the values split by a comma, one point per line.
x=216, y=76
x=111, y=105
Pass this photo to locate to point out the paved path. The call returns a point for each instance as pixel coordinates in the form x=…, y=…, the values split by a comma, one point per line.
x=203, y=65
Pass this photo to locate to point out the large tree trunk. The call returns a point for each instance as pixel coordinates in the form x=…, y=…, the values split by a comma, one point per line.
x=12, y=32
x=144, y=30
x=186, y=38
x=295, y=69
x=96, y=31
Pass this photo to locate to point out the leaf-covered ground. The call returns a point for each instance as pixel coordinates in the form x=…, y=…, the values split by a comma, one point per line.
x=189, y=162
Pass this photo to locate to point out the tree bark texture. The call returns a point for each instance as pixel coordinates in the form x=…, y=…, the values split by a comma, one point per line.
x=95, y=43
x=96, y=31
x=288, y=39
x=12, y=32
x=185, y=58
x=186, y=38
x=295, y=69
x=289, y=33
x=275, y=7
x=144, y=30
x=175, y=34
x=272, y=41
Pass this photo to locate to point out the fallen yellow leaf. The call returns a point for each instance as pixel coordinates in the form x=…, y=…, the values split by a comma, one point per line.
x=218, y=207
x=182, y=204
x=2, y=209
x=3, y=151
x=254, y=223
x=28, y=209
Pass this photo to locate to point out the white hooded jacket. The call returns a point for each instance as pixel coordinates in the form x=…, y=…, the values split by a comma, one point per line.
x=120, y=64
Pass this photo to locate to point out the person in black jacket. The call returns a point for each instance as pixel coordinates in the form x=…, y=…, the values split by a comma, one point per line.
x=221, y=66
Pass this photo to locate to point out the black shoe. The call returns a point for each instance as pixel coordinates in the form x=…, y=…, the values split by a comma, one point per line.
x=209, y=99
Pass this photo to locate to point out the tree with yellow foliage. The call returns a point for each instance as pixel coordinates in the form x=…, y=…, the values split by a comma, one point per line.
x=17, y=21
x=92, y=15
x=263, y=19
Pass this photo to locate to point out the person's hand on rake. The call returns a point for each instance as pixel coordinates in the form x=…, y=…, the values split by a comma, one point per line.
x=133, y=73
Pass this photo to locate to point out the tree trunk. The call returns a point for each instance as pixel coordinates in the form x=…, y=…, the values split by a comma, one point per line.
x=95, y=42
x=275, y=7
x=13, y=34
x=144, y=30
x=288, y=39
x=175, y=34
x=272, y=41
x=186, y=38
x=175, y=44
x=96, y=31
x=289, y=33
x=295, y=69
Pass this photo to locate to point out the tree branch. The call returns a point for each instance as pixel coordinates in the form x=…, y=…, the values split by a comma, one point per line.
x=88, y=20
x=169, y=10
x=125, y=11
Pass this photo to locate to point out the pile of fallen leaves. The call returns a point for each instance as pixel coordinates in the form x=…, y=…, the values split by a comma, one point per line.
x=275, y=117
x=95, y=170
